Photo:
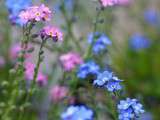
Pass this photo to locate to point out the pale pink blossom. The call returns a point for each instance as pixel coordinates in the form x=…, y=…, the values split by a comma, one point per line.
x=16, y=49
x=57, y=93
x=70, y=60
x=41, y=80
x=2, y=61
x=52, y=32
x=46, y=12
x=106, y=3
x=29, y=70
x=35, y=14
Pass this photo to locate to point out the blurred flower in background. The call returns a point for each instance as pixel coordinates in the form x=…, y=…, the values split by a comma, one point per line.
x=15, y=7
x=106, y=3
x=139, y=42
x=41, y=80
x=2, y=61
x=66, y=4
x=16, y=49
x=87, y=68
x=152, y=16
x=58, y=92
x=70, y=60
x=77, y=112
x=99, y=41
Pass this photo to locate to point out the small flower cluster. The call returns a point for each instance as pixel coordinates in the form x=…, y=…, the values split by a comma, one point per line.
x=109, y=81
x=87, y=68
x=139, y=42
x=15, y=7
x=35, y=14
x=99, y=41
x=70, y=60
x=77, y=112
x=29, y=73
x=106, y=3
x=51, y=32
x=151, y=16
x=129, y=109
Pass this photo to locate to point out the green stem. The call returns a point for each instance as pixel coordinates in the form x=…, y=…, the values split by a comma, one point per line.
x=38, y=61
x=69, y=25
x=88, y=53
x=31, y=91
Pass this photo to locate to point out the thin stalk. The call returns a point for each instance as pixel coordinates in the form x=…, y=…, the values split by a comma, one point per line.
x=88, y=53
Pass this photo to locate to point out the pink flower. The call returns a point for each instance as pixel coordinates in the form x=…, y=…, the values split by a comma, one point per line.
x=29, y=74
x=15, y=50
x=2, y=61
x=52, y=32
x=70, y=60
x=42, y=79
x=35, y=14
x=106, y=3
x=46, y=12
x=25, y=16
x=57, y=93
x=29, y=70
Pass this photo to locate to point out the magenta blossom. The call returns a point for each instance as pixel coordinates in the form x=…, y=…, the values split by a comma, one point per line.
x=70, y=60
x=42, y=79
x=29, y=74
x=35, y=14
x=57, y=93
x=52, y=32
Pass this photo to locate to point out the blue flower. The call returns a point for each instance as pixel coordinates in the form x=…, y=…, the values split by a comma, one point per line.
x=14, y=7
x=113, y=86
x=68, y=6
x=107, y=80
x=151, y=16
x=138, y=42
x=77, y=112
x=99, y=41
x=129, y=109
x=89, y=67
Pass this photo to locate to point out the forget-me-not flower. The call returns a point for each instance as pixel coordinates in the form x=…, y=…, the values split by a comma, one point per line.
x=99, y=41
x=107, y=80
x=77, y=112
x=87, y=68
x=129, y=109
